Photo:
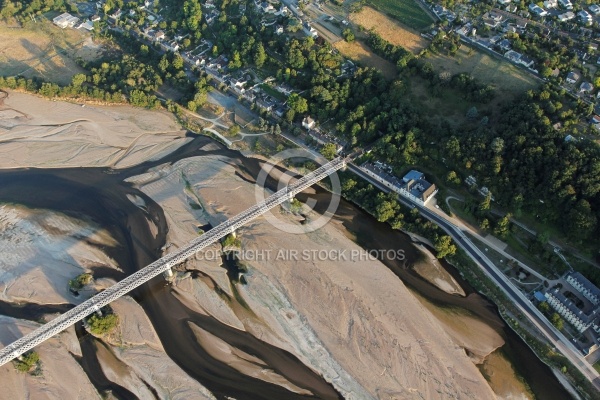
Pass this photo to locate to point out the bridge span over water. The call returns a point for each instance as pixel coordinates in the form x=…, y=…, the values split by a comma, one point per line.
x=136, y=279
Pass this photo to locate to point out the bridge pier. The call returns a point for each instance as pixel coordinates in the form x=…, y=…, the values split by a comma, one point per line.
x=168, y=274
x=163, y=265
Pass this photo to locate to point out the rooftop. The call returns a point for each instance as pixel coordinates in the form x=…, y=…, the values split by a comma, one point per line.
x=585, y=283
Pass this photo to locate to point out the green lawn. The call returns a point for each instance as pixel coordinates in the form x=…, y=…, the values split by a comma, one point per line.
x=597, y=366
x=406, y=11
x=272, y=92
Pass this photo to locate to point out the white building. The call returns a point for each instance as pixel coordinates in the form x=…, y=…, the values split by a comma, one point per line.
x=568, y=310
x=65, y=20
x=585, y=17
x=308, y=123
x=566, y=4
x=569, y=15
x=585, y=287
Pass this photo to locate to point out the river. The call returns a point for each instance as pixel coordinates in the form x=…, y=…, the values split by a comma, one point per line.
x=101, y=194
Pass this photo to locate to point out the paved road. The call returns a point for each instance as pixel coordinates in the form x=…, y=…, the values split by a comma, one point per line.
x=560, y=342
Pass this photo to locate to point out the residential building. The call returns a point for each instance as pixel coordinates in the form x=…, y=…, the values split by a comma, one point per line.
x=309, y=30
x=573, y=77
x=566, y=4
x=503, y=2
x=551, y=3
x=415, y=184
x=513, y=55
x=569, y=311
x=157, y=36
x=87, y=25
x=595, y=9
x=492, y=19
x=117, y=14
x=65, y=20
x=526, y=61
x=537, y=10
x=585, y=287
x=584, y=17
x=586, y=87
x=308, y=123
x=504, y=45
x=569, y=15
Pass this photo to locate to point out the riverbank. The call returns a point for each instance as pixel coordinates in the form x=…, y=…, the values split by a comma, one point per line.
x=36, y=132
x=280, y=313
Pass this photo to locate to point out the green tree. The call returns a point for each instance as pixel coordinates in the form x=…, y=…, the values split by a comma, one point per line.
x=177, y=62
x=260, y=56
x=297, y=103
x=453, y=178
x=348, y=35
x=444, y=246
x=385, y=210
x=78, y=80
x=484, y=224
x=27, y=361
x=472, y=113
x=329, y=151
x=100, y=325
x=486, y=203
x=544, y=307
x=163, y=64
x=581, y=221
x=557, y=321
x=501, y=229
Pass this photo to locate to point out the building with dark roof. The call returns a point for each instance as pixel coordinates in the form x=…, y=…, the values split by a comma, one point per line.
x=585, y=287
x=415, y=184
x=569, y=311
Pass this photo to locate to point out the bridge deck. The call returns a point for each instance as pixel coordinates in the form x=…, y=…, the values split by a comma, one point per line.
x=136, y=279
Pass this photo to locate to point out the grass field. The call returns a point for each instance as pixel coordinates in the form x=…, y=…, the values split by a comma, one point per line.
x=487, y=69
x=597, y=366
x=406, y=11
x=362, y=54
x=44, y=50
x=389, y=29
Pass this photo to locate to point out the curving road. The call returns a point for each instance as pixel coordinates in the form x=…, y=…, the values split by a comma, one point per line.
x=560, y=342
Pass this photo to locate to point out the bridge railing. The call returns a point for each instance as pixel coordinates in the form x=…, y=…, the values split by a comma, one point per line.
x=138, y=278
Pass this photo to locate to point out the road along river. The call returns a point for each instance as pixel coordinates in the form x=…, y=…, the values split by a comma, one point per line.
x=101, y=194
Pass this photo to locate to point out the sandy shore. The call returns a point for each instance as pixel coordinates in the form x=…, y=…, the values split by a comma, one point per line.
x=61, y=375
x=431, y=270
x=42, y=250
x=402, y=352
x=35, y=132
x=136, y=360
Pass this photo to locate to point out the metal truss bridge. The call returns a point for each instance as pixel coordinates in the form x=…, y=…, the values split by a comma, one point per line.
x=136, y=279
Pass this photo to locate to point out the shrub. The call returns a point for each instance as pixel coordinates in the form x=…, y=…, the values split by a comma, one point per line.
x=231, y=241
x=100, y=325
x=27, y=362
x=80, y=281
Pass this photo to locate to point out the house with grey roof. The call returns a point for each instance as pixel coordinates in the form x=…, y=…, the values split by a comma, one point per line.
x=585, y=287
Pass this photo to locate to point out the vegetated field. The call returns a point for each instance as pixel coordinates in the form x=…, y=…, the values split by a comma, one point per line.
x=43, y=50
x=362, y=54
x=406, y=11
x=389, y=29
x=507, y=78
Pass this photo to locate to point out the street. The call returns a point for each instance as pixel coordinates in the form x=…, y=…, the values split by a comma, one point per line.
x=560, y=342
